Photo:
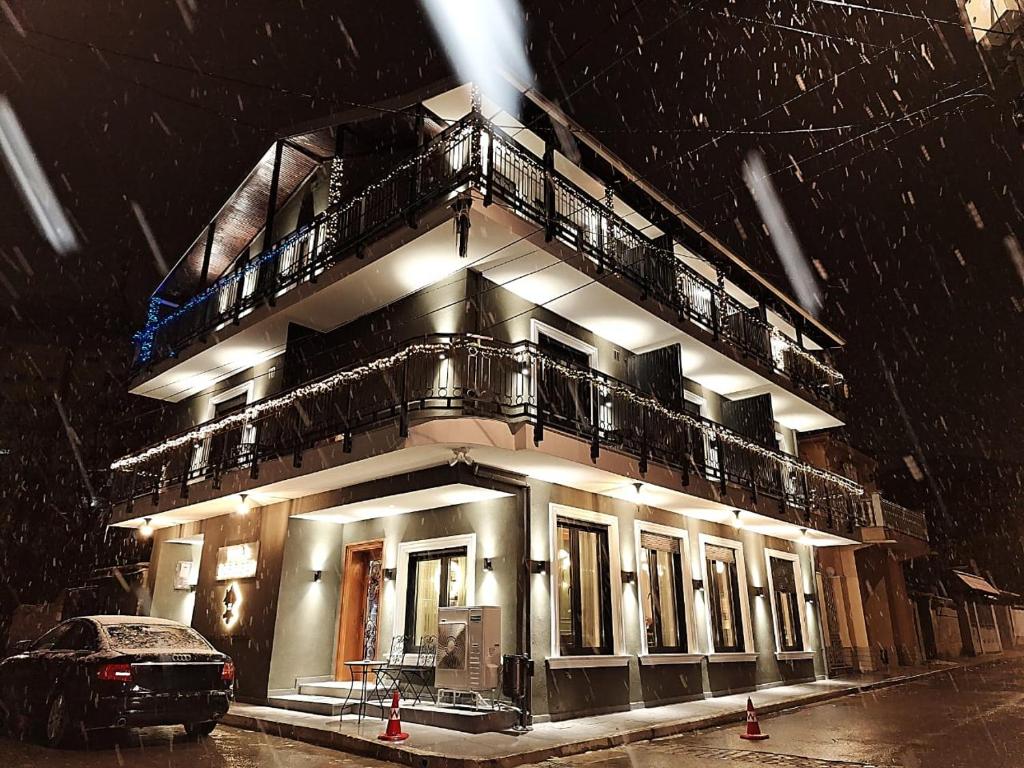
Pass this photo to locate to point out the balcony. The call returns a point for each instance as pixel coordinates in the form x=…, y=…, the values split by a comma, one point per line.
x=453, y=376
x=473, y=152
x=878, y=512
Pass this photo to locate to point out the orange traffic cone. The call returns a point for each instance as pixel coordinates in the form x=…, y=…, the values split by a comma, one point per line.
x=394, y=729
x=753, y=729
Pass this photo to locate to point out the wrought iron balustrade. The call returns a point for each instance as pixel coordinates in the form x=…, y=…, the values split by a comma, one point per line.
x=440, y=167
x=448, y=376
x=509, y=173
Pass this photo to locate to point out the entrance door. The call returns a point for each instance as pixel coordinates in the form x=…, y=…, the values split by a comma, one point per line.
x=360, y=605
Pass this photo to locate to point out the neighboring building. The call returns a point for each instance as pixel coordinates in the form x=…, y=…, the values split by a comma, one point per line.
x=870, y=619
x=463, y=369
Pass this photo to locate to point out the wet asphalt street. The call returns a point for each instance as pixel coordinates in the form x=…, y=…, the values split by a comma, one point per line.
x=966, y=718
x=167, y=747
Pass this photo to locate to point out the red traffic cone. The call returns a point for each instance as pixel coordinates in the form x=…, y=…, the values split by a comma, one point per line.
x=753, y=729
x=394, y=729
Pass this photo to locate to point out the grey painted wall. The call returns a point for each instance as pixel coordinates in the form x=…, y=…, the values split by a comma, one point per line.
x=305, y=632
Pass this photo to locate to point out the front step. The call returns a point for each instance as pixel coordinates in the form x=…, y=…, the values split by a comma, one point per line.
x=337, y=689
x=329, y=706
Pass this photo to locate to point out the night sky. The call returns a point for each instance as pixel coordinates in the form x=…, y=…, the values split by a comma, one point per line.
x=890, y=140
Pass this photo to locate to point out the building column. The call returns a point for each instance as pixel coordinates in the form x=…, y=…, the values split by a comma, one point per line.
x=850, y=581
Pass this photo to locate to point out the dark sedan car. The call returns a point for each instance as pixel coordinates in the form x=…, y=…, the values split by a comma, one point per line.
x=114, y=672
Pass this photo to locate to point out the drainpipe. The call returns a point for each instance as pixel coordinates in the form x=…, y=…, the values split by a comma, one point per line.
x=523, y=576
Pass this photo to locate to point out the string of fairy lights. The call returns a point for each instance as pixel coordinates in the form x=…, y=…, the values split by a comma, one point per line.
x=526, y=358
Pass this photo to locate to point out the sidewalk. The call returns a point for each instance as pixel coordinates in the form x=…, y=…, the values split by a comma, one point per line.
x=430, y=747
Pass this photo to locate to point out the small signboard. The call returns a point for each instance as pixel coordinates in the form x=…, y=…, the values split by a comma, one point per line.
x=186, y=574
x=237, y=561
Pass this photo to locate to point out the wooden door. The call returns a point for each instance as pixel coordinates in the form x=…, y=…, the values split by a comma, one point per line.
x=358, y=635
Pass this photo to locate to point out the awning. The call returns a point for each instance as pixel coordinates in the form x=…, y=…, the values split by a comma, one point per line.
x=978, y=584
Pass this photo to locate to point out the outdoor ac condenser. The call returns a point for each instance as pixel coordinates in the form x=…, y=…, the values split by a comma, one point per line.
x=468, y=648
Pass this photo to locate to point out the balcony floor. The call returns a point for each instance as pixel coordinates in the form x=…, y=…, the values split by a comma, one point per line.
x=559, y=459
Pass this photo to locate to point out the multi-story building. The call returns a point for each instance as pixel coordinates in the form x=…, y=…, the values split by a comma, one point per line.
x=870, y=621
x=428, y=354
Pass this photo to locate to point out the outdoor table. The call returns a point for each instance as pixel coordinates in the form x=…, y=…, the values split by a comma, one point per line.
x=363, y=668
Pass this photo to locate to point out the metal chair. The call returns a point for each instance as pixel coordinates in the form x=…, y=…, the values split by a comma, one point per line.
x=389, y=677
x=419, y=679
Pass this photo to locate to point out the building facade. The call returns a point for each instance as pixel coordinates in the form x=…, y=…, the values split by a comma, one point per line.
x=871, y=621
x=478, y=360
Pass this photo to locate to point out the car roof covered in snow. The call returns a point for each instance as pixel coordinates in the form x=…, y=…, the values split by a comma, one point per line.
x=107, y=621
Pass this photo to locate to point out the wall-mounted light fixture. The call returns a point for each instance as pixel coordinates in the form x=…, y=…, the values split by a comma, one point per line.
x=759, y=591
x=242, y=508
x=146, y=529
x=488, y=564
x=698, y=583
x=736, y=522
x=390, y=574
x=628, y=577
x=318, y=576
x=230, y=600
x=538, y=566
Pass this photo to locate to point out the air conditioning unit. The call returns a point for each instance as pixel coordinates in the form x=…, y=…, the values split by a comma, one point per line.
x=468, y=648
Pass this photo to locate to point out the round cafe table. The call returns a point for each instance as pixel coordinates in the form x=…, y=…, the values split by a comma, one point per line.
x=361, y=669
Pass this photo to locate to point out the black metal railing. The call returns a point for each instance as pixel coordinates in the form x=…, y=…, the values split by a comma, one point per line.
x=522, y=181
x=477, y=152
x=305, y=254
x=462, y=375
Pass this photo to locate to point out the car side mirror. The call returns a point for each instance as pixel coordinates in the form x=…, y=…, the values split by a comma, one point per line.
x=21, y=646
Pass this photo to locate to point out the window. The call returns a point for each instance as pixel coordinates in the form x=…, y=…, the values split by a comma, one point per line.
x=661, y=593
x=705, y=449
x=723, y=591
x=80, y=637
x=564, y=399
x=52, y=638
x=233, y=446
x=584, y=588
x=437, y=579
x=786, y=603
x=168, y=637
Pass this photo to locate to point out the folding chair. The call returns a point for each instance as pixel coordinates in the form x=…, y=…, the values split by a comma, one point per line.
x=419, y=679
x=389, y=677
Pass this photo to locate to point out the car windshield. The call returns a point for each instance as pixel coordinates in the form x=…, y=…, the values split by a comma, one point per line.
x=156, y=637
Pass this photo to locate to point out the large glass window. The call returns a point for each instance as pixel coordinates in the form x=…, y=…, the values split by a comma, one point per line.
x=661, y=593
x=436, y=580
x=584, y=589
x=787, y=606
x=723, y=592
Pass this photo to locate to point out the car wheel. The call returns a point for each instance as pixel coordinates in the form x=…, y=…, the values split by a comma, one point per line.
x=61, y=727
x=198, y=730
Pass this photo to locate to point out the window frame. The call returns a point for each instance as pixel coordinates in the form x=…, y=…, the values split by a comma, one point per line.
x=615, y=592
x=685, y=593
x=801, y=588
x=604, y=588
x=742, y=592
x=415, y=558
x=401, y=563
x=201, y=454
x=712, y=467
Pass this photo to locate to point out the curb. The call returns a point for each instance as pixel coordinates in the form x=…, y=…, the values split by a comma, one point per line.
x=407, y=755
